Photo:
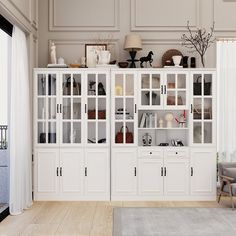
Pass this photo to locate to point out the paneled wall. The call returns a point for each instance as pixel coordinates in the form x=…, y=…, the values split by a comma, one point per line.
x=73, y=23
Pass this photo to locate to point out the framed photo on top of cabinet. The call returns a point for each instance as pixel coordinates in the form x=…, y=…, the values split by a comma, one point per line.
x=91, y=53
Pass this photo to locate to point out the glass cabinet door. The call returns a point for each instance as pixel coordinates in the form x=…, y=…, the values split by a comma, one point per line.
x=151, y=90
x=71, y=107
x=97, y=108
x=176, y=89
x=47, y=108
x=123, y=108
x=202, y=108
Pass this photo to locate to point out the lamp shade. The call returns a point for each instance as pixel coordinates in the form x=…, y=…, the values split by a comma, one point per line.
x=133, y=42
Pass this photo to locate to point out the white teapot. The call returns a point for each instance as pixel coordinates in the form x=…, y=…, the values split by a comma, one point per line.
x=104, y=57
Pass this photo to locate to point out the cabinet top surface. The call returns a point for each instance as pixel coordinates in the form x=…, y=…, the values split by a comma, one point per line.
x=126, y=69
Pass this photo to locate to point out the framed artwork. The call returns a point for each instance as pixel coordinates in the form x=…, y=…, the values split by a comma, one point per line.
x=91, y=53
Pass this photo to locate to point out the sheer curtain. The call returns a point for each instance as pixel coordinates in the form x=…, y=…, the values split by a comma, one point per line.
x=226, y=74
x=20, y=130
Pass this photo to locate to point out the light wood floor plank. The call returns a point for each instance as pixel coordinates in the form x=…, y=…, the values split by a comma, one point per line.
x=81, y=218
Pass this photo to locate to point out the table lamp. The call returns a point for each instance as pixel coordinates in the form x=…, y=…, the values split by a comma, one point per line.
x=132, y=44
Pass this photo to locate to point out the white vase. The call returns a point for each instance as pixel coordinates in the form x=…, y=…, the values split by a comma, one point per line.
x=104, y=57
x=177, y=60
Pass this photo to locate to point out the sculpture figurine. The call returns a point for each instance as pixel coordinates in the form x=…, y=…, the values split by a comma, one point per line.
x=146, y=59
x=161, y=123
x=53, y=54
x=182, y=120
x=169, y=119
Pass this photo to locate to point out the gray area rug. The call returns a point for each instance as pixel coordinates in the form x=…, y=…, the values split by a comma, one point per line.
x=174, y=222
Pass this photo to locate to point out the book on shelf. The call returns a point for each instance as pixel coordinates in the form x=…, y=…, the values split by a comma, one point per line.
x=142, y=121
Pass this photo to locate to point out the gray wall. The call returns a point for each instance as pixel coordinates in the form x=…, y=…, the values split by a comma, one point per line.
x=72, y=23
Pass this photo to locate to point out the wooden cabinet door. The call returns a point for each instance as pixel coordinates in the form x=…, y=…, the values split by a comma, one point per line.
x=176, y=173
x=97, y=172
x=150, y=176
x=46, y=173
x=203, y=171
x=124, y=171
x=71, y=172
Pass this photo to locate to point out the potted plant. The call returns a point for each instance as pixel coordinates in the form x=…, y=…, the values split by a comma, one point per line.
x=199, y=41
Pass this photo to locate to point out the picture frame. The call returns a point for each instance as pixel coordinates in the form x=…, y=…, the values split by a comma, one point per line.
x=91, y=53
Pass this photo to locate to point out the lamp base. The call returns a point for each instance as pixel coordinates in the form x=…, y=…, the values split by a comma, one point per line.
x=132, y=60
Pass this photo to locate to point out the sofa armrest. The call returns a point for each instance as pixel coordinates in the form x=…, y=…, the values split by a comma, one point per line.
x=226, y=178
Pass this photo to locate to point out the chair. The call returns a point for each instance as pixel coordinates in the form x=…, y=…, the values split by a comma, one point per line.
x=227, y=176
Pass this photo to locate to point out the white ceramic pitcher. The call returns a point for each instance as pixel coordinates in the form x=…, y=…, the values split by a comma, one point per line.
x=104, y=57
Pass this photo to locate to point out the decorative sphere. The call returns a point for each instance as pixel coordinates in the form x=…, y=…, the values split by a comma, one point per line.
x=169, y=116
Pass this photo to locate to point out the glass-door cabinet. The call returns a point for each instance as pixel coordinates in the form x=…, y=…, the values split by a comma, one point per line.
x=70, y=107
x=124, y=107
x=151, y=89
x=97, y=108
x=203, y=95
x=46, y=109
x=176, y=89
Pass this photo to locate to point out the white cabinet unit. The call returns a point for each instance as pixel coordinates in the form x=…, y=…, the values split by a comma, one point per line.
x=203, y=171
x=125, y=134
x=72, y=115
x=124, y=171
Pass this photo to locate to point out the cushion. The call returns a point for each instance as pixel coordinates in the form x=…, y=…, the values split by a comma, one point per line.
x=230, y=172
x=223, y=165
x=226, y=189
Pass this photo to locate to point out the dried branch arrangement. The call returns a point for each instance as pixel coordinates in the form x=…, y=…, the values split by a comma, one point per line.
x=199, y=41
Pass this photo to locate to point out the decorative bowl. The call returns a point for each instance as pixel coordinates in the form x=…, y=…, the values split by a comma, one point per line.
x=123, y=64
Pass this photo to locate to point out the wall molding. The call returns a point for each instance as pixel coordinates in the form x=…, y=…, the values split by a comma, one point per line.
x=54, y=27
x=161, y=41
x=28, y=18
x=161, y=28
x=219, y=29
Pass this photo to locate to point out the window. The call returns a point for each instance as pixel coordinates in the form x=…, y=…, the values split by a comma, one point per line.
x=5, y=42
x=5, y=53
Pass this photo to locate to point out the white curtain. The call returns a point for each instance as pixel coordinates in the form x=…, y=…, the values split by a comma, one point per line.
x=226, y=74
x=20, y=130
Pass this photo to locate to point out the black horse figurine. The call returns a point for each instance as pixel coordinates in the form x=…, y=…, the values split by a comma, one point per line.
x=146, y=59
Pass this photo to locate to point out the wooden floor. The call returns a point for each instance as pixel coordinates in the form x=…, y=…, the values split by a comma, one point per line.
x=78, y=218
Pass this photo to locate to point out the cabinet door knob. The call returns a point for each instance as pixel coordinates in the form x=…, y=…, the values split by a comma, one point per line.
x=150, y=153
x=161, y=171
x=135, y=171
x=60, y=171
x=85, y=171
x=57, y=172
x=176, y=153
x=191, y=171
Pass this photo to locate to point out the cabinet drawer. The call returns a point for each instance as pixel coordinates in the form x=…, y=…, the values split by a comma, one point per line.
x=150, y=154
x=177, y=153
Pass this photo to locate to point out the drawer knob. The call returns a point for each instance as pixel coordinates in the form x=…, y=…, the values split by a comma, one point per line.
x=150, y=153
x=176, y=153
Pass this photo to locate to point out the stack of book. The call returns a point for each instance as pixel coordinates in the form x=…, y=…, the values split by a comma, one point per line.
x=148, y=120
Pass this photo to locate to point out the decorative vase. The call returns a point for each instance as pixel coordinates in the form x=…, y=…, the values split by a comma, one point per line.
x=177, y=60
x=185, y=62
x=104, y=57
